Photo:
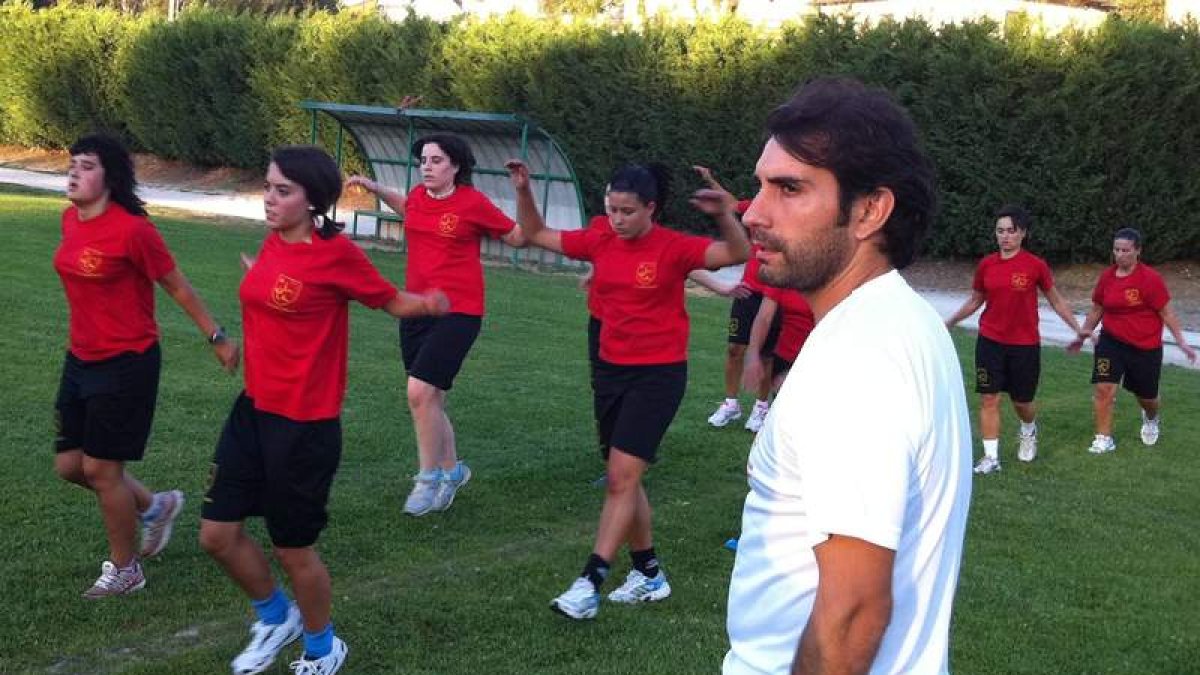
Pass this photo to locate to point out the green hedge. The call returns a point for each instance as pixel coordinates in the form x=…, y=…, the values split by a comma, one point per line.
x=1090, y=130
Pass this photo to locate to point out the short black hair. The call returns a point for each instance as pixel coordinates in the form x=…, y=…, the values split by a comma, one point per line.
x=119, y=177
x=314, y=170
x=867, y=141
x=1019, y=216
x=455, y=148
x=1129, y=233
x=650, y=182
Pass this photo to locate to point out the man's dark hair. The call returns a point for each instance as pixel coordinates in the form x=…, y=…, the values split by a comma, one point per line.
x=1020, y=217
x=118, y=169
x=868, y=142
x=455, y=148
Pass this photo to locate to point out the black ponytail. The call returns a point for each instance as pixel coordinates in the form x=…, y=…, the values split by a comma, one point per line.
x=329, y=227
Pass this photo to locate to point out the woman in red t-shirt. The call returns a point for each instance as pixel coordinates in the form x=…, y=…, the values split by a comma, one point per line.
x=747, y=296
x=445, y=218
x=282, y=441
x=641, y=373
x=1134, y=304
x=110, y=257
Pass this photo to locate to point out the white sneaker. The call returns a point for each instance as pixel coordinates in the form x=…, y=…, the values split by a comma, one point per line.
x=758, y=415
x=266, y=641
x=447, y=487
x=1027, y=451
x=326, y=665
x=987, y=465
x=640, y=588
x=580, y=601
x=156, y=532
x=422, y=499
x=115, y=580
x=725, y=414
x=1102, y=444
x=1149, y=430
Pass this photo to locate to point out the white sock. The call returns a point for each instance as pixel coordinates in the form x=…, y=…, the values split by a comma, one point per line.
x=759, y=403
x=991, y=448
x=1029, y=428
x=732, y=402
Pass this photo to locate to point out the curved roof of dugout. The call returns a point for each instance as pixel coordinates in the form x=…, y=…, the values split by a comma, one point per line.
x=385, y=136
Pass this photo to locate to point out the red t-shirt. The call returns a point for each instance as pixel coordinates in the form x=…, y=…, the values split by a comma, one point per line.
x=639, y=286
x=1010, y=289
x=603, y=225
x=295, y=316
x=798, y=321
x=750, y=271
x=1132, y=304
x=443, y=244
x=108, y=266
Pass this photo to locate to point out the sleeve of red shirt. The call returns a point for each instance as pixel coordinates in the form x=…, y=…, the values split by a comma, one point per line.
x=359, y=279
x=1157, y=295
x=771, y=292
x=490, y=219
x=578, y=244
x=1045, y=276
x=977, y=284
x=148, y=252
x=689, y=251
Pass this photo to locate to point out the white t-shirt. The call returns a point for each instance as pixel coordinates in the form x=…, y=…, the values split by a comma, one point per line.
x=868, y=438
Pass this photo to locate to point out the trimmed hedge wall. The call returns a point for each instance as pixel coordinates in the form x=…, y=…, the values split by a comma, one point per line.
x=1089, y=130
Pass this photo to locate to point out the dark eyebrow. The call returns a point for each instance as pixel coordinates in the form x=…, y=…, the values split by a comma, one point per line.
x=791, y=182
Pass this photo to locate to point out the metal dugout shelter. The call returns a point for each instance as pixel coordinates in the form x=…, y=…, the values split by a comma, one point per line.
x=385, y=136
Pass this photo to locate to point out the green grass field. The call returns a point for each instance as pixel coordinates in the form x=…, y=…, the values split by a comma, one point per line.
x=1074, y=564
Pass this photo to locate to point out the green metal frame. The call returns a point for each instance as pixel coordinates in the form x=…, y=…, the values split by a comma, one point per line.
x=411, y=119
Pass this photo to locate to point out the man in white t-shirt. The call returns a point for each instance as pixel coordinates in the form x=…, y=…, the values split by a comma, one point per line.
x=860, y=479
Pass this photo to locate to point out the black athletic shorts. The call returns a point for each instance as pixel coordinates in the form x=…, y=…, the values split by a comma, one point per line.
x=1137, y=370
x=634, y=405
x=271, y=466
x=434, y=347
x=1015, y=369
x=741, y=317
x=593, y=345
x=781, y=366
x=106, y=407
x=741, y=321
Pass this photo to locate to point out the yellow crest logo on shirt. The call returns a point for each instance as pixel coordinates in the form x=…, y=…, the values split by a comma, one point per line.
x=646, y=274
x=286, y=292
x=448, y=224
x=90, y=261
x=1020, y=281
x=1133, y=296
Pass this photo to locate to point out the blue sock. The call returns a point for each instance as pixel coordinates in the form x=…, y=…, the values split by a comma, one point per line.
x=434, y=474
x=273, y=609
x=318, y=645
x=454, y=474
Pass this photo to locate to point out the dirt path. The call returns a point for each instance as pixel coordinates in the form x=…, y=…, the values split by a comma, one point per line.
x=1074, y=281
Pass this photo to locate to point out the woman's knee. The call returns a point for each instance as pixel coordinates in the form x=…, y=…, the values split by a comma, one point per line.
x=422, y=395
x=217, y=538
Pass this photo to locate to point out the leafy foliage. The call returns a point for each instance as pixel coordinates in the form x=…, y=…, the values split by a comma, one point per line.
x=1090, y=130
